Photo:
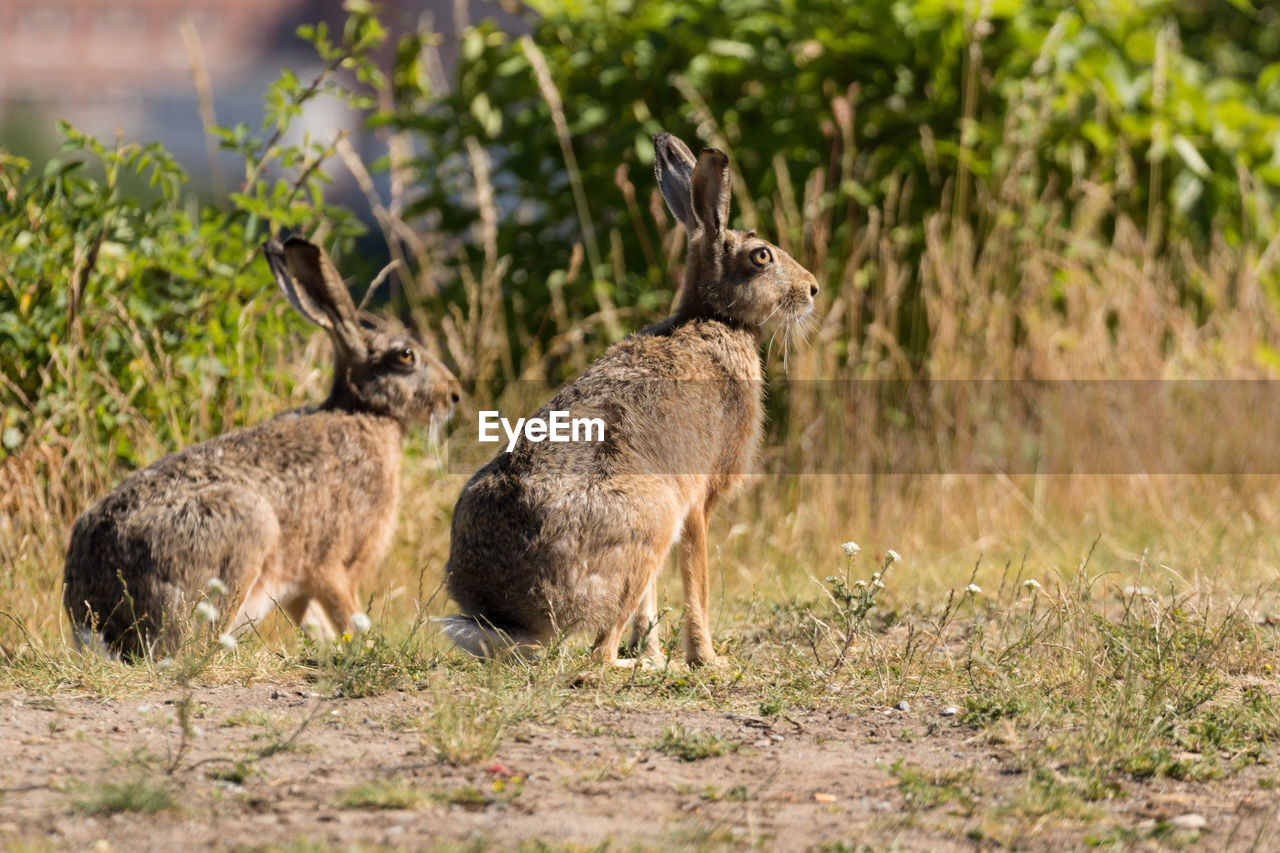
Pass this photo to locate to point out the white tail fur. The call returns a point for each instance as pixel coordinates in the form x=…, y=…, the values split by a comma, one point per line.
x=485, y=641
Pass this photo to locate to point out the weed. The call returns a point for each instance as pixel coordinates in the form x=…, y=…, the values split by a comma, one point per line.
x=381, y=794
x=1047, y=793
x=467, y=731
x=927, y=789
x=139, y=795
x=693, y=745
x=239, y=772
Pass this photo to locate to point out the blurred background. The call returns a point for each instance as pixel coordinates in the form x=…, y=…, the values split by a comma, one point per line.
x=986, y=190
x=148, y=69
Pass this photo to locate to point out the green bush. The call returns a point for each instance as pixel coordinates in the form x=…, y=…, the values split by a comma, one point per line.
x=124, y=299
x=121, y=304
x=915, y=106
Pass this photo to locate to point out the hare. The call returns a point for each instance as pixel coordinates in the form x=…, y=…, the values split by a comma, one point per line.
x=291, y=511
x=571, y=536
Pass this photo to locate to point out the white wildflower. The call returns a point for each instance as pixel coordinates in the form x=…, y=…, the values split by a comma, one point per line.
x=207, y=612
x=228, y=641
x=215, y=586
x=877, y=583
x=861, y=583
x=361, y=623
x=850, y=548
x=893, y=556
x=1031, y=583
x=973, y=589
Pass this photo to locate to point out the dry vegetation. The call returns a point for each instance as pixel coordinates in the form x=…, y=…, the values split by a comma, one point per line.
x=1096, y=631
x=1102, y=625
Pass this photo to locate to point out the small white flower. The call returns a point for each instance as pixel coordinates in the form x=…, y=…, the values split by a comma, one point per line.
x=216, y=586
x=207, y=612
x=850, y=548
x=893, y=556
x=1031, y=583
x=228, y=641
x=831, y=578
x=973, y=589
x=361, y=623
x=861, y=583
x=877, y=583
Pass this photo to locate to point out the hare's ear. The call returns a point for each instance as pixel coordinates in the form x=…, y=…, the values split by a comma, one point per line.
x=314, y=288
x=673, y=166
x=710, y=193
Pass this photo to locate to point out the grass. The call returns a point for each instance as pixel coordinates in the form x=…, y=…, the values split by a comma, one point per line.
x=927, y=789
x=464, y=730
x=139, y=795
x=381, y=794
x=1100, y=631
x=692, y=745
x=1089, y=692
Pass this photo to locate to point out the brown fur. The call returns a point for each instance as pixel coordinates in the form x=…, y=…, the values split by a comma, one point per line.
x=292, y=511
x=556, y=537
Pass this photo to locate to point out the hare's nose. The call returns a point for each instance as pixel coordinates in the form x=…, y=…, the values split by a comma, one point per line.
x=813, y=290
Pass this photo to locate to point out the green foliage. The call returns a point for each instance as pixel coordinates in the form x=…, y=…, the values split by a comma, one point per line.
x=123, y=298
x=917, y=107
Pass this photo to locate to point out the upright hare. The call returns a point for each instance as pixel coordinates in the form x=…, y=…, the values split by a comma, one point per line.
x=291, y=511
x=558, y=536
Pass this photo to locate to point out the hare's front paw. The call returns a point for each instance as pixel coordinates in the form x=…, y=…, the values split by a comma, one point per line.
x=704, y=659
x=655, y=661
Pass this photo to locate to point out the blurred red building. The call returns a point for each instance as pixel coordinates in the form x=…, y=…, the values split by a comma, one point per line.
x=108, y=64
x=70, y=49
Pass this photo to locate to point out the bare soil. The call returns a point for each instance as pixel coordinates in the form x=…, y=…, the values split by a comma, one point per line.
x=792, y=782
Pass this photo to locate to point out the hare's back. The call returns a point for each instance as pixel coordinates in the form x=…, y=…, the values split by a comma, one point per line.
x=687, y=401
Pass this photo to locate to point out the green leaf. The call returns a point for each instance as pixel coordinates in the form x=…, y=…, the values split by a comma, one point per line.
x=1190, y=155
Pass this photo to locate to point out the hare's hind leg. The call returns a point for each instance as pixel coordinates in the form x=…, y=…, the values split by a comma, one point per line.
x=333, y=588
x=606, y=644
x=307, y=614
x=221, y=532
x=697, y=589
x=260, y=586
x=644, y=640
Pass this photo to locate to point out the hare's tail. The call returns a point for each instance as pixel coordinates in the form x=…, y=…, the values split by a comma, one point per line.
x=93, y=642
x=482, y=639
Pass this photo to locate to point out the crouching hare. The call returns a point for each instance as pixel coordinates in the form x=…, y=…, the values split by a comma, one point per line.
x=292, y=511
x=571, y=536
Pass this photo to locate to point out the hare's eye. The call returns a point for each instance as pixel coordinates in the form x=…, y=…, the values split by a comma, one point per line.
x=761, y=256
x=405, y=356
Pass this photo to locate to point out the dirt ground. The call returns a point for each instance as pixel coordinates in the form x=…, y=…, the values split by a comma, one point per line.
x=595, y=777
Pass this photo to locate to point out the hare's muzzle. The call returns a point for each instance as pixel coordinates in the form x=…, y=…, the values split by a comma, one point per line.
x=451, y=392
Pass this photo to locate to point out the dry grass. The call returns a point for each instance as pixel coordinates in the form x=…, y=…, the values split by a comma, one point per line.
x=1064, y=302
x=1107, y=616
